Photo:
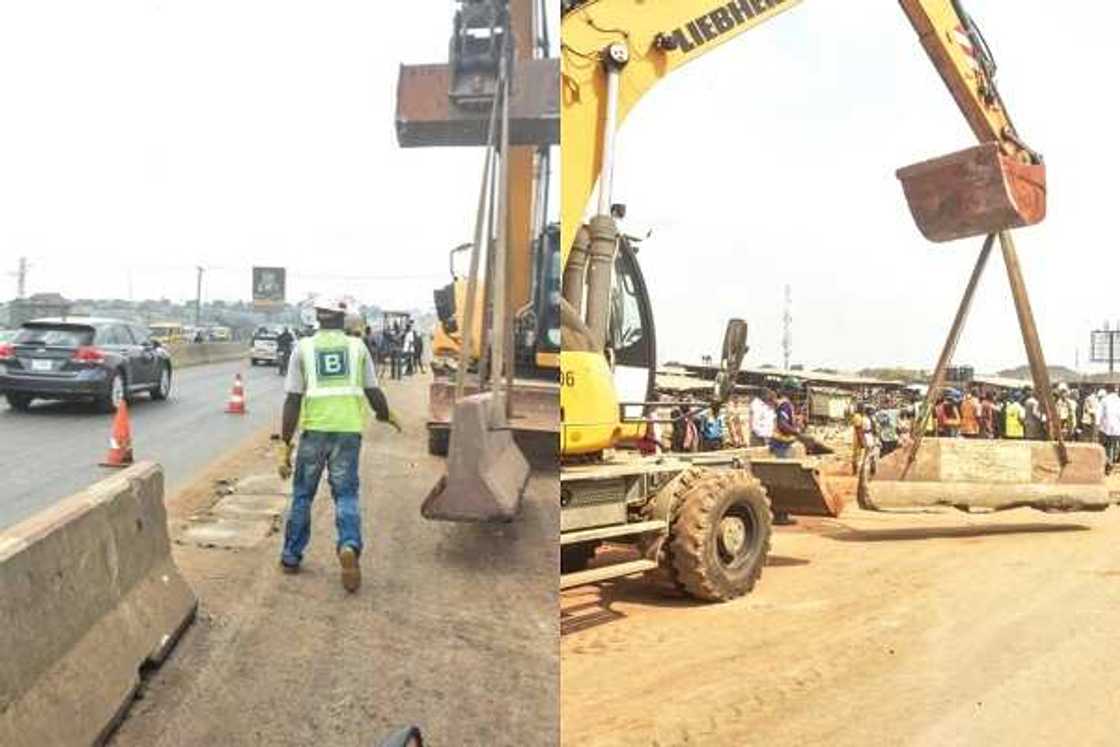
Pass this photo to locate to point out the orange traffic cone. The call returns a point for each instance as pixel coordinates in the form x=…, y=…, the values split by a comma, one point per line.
x=120, y=439
x=236, y=404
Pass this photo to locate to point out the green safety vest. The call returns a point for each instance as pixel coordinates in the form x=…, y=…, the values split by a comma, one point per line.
x=333, y=397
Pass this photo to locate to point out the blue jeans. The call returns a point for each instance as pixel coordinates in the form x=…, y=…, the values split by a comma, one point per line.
x=338, y=452
x=781, y=449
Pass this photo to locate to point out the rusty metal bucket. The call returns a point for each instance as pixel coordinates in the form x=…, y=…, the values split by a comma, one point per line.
x=486, y=472
x=973, y=192
x=797, y=488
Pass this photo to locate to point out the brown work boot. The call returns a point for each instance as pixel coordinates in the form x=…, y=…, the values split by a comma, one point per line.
x=351, y=571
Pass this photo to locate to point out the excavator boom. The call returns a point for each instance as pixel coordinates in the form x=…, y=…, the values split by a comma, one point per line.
x=662, y=37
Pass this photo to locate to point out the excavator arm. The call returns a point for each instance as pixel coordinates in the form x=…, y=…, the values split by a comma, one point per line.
x=661, y=37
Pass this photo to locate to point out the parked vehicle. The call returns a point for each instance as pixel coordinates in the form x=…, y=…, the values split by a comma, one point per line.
x=105, y=360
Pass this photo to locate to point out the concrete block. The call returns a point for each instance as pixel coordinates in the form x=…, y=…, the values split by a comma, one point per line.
x=88, y=594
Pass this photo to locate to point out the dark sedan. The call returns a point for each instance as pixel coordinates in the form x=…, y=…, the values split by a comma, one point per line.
x=105, y=360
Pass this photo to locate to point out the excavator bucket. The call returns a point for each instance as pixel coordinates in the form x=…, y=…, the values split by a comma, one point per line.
x=974, y=192
x=486, y=472
x=797, y=487
x=988, y=474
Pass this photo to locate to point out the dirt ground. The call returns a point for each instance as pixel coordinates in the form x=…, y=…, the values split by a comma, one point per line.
x=930, y=628
x=454, y=628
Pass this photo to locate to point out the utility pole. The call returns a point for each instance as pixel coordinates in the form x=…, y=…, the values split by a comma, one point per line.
x=21, y=278
x=787, y=329
x=198, y=298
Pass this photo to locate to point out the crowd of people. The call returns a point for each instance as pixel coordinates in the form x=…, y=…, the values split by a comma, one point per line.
x=882, y=423
x=399, y=347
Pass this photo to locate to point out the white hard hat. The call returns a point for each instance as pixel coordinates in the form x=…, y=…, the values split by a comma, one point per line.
x=1063, y=387
x=329, y=303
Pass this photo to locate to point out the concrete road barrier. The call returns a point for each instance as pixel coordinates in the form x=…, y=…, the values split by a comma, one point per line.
x=89, y=594
x=198, y=354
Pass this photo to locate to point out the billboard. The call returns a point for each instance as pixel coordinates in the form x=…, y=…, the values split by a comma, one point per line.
x=268, y=286
x=1104, y=347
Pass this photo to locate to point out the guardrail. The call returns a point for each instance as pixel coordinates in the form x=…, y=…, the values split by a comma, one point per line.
x=198, y=354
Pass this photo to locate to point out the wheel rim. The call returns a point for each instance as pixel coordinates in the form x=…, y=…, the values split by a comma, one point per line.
x=736, y=537
x=117, y=393
x=164, y=382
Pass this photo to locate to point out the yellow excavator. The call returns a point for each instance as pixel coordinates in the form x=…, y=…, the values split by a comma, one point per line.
x=705, y=520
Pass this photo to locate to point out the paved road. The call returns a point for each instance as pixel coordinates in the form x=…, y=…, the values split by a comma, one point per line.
x=53, y=450
x=455, y=627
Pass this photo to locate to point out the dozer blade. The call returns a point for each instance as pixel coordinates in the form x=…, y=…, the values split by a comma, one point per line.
x=796, y=488
x=997, y=475
x=973, y=192
x=486, y=472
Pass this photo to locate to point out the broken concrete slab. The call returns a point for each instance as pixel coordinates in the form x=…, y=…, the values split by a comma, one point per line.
x=237, y=506
x=233, y=534
x=265, y=484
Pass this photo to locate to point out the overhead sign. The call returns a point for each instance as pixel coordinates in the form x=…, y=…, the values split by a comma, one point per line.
x=268, y=286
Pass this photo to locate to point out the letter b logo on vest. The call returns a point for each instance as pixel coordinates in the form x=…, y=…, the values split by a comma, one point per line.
x=332, y=364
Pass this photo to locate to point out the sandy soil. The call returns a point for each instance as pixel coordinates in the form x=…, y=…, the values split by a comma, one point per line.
x=454, y=629
x=932, y=628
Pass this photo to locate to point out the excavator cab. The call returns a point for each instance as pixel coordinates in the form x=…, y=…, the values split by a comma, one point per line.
x=974, y=192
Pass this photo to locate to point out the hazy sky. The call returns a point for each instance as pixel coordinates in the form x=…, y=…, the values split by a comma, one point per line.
x=139, y=139
x=772, y=159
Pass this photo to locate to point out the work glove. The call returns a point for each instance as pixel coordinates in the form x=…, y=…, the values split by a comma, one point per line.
x=392, y=420
x=283, y=453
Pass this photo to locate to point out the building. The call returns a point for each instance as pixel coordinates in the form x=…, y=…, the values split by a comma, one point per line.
x=35, y=306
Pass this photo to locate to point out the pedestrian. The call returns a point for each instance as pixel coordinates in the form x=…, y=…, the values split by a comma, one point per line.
x=785, y=433
x=1089, y=417
x=330, y=379
x=888, y=421
x=1014, y=417
x=1034, y=425
x=948, y=417
x=407, y=349
x=284, y=342
x=418, y=349
x=762, y=418
x=970, y=415
x=987, y=416
x=711, y=429
x=1066, y=411
x=1109, y=423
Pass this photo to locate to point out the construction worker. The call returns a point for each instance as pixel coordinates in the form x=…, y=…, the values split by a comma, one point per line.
x=330, y=379
x=1014, y=418
x=1089, y=407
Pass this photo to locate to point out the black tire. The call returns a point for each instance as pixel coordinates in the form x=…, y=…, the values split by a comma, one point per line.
x=106, y=403
x=720, y=534
x=20, y=402
x=439, y=441
x=158, y=392
x=574, y=558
